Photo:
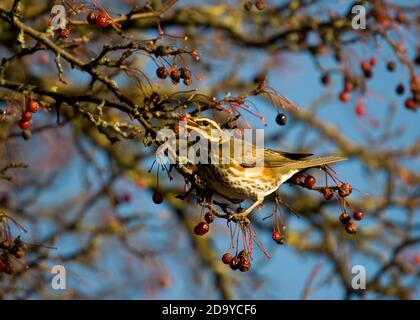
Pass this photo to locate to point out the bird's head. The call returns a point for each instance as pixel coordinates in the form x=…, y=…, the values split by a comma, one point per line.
x=206, y=127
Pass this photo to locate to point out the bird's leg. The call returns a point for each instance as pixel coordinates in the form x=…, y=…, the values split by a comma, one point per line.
x=260, y=200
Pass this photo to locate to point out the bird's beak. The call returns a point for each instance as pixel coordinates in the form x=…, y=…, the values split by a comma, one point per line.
x=191, y=124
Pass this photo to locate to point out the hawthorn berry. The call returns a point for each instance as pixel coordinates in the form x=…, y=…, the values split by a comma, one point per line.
x=328, y=193
x=281, y=119
x=234, y=263
x=155, y=97
x=358, y=215
x=350, y=227
x=348, y=85
x=227, y=258
x=368, y=73
x=344, y=217
x=64, y=33
x=360, y=109
x=24, y=124
x=391, y=65
x=187, y=82
x=9, y=269
x=201, y=228
x=297, y=178
x=345, y=189
x=32, y=106
x=185, y=73
x=5, y=244
x=26, y=116
x=91, y=18
x=209, y=217
x=365, y=65
x=400, y=89
x=276, y=235
x=309, y=181
x=344, y=96
x=175, y=75
x=157, y=197
x=102, y=20
x=162, y=72
x=372, y=61
x=244, y=265
x=410, y=104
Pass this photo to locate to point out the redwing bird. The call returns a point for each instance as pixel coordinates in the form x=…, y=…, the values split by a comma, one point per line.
x=256, y=174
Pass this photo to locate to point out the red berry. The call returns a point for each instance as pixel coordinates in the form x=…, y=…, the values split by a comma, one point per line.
x=234, y=263
x=64, y=33
x=367, y=73
x=32, y=106
x=91, y=17
x=297, y=178
x=358, y=215
x=102, y=20
x=364, y=65
x=157, y=197
x=201, y=228
x=372, y=61
x=410, y=104
x=155, y=97
x=344, y=217
x=227, y=258
x=26, y=116
x=244, y=265
x=175, y=76
x=281, y=119
x=2, y=266
x=24, y=124
x=328, y=193
x=344, y=96
x=350, y=227
x=345, y=189
x=400, y=89
x=9, y=269
x=360, y=109
x=5, y=244
x=276, y=236
x=209, y=217
x=162, y=72
x=309, y=182
x=391, y=65
x=348, y=85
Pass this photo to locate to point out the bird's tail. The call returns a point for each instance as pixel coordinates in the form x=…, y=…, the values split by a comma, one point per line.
x=309, y=163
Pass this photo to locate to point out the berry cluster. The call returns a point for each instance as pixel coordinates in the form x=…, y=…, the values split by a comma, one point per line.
x=204, y=226
x=241, y=261
x=16, y=249
x=340, y=191
x=101, y=19
x=26, y=116
x=176, y=74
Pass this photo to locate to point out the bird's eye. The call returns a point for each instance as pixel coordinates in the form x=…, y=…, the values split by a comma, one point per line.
x=205, y=123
